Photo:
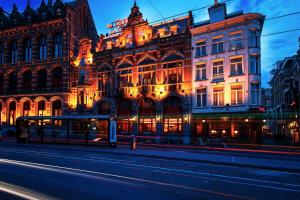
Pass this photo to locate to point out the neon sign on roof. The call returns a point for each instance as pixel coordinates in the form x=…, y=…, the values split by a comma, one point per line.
x=117, y=26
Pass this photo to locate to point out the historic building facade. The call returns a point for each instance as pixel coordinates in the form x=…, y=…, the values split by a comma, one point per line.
x=226, y=73
x=141, y=75
x=285, y=80
x=164, y=79
x=36, y=50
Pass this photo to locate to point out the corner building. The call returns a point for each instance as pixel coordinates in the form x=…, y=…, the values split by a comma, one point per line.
x=227, y=74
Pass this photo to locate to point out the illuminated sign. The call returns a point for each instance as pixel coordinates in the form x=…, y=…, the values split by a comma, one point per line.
x=117, y=26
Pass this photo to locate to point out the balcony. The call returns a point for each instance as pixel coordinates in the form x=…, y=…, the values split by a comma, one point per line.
x=216, y=78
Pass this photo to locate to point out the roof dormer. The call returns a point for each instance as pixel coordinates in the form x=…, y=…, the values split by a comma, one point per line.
x=15, y=16
x=28, y=13
x=217, y=12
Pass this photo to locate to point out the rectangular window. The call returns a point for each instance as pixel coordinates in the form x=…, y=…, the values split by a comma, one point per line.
x=58, y=46
x=236, y=66
x=28, y=50
x=147, y=75
x=218, y=96
x=201, y=97
x=173, y=72
x=200, y=72
x=217, y=45
x=254, y=93
x=218, y=71
x=201, y=49
x=14, y=53
x=43, y=49
x=236, y=41
x=254, y=38
x=254, y=64
x=236, y=94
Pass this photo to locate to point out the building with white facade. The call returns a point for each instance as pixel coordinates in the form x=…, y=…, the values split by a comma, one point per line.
x=227, y=73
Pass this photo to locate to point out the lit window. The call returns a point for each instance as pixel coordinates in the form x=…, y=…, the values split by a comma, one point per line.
x=218, y=71
x=254, y=64
x=147, y=75
x=217, y=45
x=201, y=49
x=236, y=66
x=173, y=72
x=236, y=94
x=201, y=97
x=218, y=96
x=201, y=72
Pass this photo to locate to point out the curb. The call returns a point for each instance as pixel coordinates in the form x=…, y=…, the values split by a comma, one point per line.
x=231, y=164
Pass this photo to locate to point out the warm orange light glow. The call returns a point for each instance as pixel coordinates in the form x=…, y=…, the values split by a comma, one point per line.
x=160, y=92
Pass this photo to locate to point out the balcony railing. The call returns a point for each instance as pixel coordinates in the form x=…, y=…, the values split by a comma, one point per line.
x=217, y=78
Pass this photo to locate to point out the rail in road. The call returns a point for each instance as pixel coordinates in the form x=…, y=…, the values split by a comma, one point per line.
x=82, y=175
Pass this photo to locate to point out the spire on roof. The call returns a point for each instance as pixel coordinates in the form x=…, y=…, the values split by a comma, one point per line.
x=134, y=5
x=50, y=3
x=216, y=2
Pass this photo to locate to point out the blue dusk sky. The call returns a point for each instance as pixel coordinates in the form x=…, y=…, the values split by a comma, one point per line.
x=274, y=48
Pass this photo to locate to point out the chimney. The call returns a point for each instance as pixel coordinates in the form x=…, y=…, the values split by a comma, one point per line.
x=217, y=12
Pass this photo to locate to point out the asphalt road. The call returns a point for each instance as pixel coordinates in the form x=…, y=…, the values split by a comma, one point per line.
x=39, y=173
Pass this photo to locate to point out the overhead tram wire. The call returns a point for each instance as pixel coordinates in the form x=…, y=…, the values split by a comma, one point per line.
x=155, y=8
x=179, y=14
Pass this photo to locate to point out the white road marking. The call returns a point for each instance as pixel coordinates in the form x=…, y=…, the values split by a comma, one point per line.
x=211, y=176
x=67, y=169
x=22, y=192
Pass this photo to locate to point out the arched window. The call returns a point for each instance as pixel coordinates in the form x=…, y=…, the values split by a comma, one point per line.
x=28, y=50
x=57, y=108
x=43, y=48
x=58, y=46
x=14, y=52
x=42, y=79
x=26, y=108
x=12, y=81
x=1, y=53
x=1, y=82
x=12, y=113
x=57, y=74
x=27, y=80
x=41, y=108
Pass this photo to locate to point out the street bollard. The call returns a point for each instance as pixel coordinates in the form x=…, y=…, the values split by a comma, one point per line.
x=133, y=142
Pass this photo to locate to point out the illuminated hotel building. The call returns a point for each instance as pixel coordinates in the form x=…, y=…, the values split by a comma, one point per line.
x=226, y=73
x=155, y=79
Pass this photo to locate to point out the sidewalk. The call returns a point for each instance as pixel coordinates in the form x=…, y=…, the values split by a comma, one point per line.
x=180, y=155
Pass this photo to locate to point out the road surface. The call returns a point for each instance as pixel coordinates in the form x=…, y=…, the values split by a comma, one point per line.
x=42, y=173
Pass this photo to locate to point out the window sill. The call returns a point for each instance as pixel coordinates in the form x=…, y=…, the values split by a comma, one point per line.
x=201, y=56
x=213, y=53
x=205, y=107
x=234, y=75
x=223, y=106
x=235, y=49
x=218, y=81
x=198, y=80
